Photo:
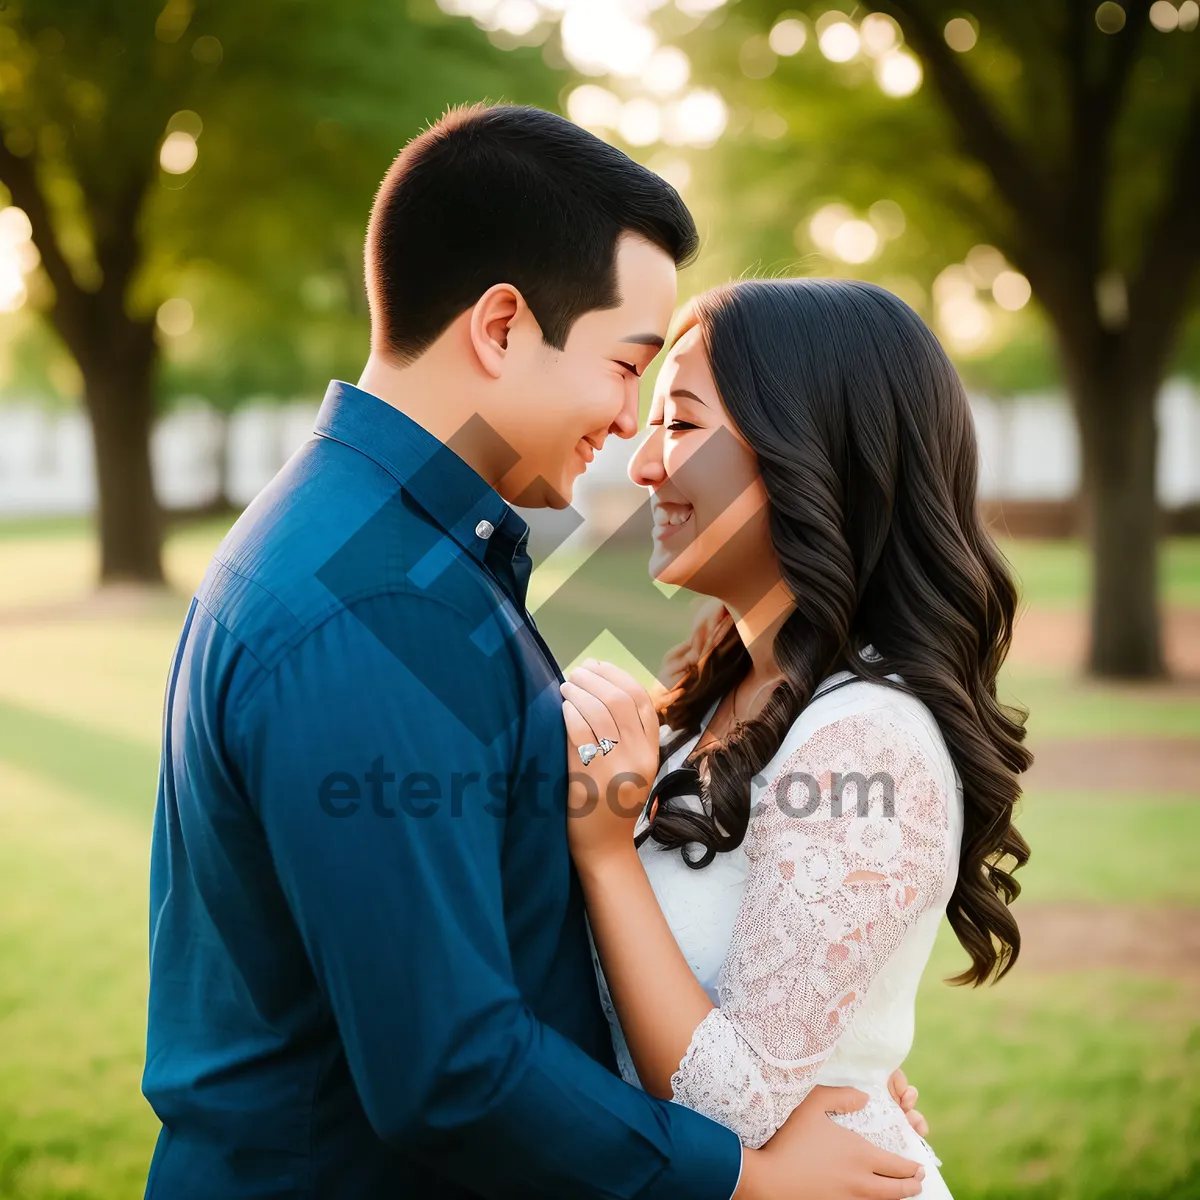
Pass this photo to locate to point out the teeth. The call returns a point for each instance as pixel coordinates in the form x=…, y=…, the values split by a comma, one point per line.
x=676, y=518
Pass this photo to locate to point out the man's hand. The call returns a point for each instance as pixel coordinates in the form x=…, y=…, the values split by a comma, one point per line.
x=814, y=1158
x=906, y=1096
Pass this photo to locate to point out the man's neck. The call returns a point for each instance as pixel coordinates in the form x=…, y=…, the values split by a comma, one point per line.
x=426, y=391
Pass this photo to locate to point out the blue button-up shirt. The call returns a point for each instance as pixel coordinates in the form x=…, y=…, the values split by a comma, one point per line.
x=369, y=972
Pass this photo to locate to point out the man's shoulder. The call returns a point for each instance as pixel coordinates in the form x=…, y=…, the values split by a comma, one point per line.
x=332, y=530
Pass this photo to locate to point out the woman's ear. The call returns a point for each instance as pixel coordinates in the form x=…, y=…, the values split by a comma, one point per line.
x=491, y=320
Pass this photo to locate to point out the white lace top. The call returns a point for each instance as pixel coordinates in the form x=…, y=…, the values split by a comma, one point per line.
x=811, y=937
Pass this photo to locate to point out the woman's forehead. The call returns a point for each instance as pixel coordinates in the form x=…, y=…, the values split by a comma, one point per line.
x=687, y=342
x=686, y=351
x=686, y=366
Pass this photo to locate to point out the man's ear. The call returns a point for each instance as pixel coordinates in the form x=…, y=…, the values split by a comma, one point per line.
x=491, y=321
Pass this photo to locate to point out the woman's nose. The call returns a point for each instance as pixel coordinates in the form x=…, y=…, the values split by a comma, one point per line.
x=646, y=467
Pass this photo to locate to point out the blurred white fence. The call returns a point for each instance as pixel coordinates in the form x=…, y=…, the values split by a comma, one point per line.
x=198, y=455
x=1028, y=449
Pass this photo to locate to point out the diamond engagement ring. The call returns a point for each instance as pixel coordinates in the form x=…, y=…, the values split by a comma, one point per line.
x=589, y=750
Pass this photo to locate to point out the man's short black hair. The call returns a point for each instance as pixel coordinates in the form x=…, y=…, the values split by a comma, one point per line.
x=505, y=194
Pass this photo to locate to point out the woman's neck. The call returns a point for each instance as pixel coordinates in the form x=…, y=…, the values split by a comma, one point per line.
x=757, y=627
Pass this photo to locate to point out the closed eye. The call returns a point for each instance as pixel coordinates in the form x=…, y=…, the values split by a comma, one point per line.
x=630, y=368
x=681, y=426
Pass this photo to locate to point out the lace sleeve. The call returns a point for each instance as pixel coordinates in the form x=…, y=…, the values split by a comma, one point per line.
x=829, y=895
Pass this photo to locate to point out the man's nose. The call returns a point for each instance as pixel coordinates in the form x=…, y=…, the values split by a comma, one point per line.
x=626, y=424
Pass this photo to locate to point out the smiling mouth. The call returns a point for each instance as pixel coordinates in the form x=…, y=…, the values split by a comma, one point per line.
x=669, y=519
x=587, y=449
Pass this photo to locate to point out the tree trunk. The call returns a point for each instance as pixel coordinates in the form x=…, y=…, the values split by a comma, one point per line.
x=119, y=394
x=1118, y=430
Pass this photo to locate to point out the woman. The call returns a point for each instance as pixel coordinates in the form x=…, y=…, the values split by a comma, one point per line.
x=834, y=771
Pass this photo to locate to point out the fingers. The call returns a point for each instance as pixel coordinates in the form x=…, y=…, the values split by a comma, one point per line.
x=598, y=720
x=620, y=704
x=672, y=669
x=838, y=1099
x=906, y=1096
x=713, y=619
x=892, y=1189
x=579, y=732
x=893, y=1166
x=722, y=624
x=630, y=686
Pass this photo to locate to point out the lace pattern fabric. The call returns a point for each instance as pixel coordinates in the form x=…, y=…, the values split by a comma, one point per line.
x=848, y=848
x=882, y=1121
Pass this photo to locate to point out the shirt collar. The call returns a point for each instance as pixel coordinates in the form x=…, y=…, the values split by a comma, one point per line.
x=452, y=493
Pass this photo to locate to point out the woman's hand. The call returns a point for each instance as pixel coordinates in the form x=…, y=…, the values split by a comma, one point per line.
x=606, y=797
x=905, y=1095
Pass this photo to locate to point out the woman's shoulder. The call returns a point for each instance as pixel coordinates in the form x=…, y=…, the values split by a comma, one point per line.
x=867, y=720
x=879, y=741
x=845, y=695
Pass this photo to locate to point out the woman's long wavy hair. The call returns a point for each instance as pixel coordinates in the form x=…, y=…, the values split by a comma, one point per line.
x=867, y=449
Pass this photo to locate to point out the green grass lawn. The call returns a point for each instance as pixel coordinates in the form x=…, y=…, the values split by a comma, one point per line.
x=1054, y=572
x=1049, y=572
x=1063, y=706
x=1078, y=1086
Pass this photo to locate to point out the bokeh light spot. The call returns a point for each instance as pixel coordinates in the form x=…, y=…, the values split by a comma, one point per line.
x=960, y=34
x=1110, y=17
x=175, y=317
x=788, y=36
x=178, y=153
x=898, y=74
x=1011, y=290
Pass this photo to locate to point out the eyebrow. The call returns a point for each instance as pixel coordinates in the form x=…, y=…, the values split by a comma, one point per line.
x=645, y=339
x=684, y=394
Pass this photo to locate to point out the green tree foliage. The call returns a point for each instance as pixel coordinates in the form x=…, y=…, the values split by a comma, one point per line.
x=292, y=111
x=1067, y=134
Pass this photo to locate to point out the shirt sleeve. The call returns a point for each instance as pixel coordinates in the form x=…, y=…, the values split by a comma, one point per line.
x=343, y=751
x=831, y=891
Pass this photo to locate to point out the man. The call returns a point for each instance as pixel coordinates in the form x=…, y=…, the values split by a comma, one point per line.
x=369, y=972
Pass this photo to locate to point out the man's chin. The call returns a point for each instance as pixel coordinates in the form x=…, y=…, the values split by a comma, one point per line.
x=561, y=497
x=541, y=494
x=537, y=493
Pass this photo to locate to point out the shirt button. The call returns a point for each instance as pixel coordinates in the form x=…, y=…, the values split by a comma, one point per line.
x=484, y=530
